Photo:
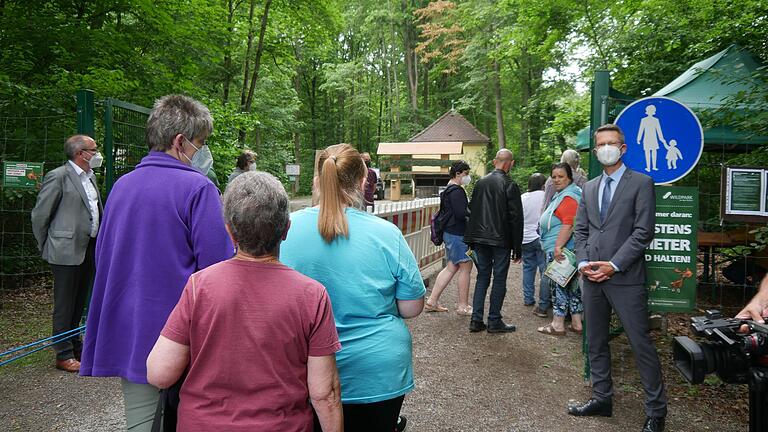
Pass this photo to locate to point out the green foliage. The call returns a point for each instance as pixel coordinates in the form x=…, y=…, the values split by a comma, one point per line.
x=353, y=72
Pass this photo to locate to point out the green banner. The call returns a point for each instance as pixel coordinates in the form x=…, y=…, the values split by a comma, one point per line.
x=671, y=257
x=24, y=175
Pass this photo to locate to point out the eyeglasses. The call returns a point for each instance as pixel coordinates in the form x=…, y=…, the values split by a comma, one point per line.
x=94, y=150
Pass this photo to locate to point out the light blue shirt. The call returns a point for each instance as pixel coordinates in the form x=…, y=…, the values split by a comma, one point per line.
x=364, y=274
x=616, y=177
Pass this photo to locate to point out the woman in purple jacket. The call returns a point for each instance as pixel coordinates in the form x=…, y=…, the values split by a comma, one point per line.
x=162, y=223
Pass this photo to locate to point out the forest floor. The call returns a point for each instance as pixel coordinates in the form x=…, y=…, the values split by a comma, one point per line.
x=520, y=381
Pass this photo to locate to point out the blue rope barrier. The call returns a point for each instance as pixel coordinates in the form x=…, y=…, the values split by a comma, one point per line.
x=69, y=333
x=53, y=341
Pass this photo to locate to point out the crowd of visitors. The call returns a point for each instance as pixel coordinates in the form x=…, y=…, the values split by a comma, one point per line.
x=251, y=318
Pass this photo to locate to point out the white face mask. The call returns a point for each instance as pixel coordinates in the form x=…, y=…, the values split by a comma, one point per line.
x=253, y=167
x=96, y=160
x=202, y=160
x=608, y=155
x=467, y=179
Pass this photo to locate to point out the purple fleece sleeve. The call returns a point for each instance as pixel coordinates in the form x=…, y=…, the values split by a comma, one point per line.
x=210, y=241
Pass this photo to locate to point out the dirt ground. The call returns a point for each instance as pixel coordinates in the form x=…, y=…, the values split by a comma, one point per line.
x=465, y=382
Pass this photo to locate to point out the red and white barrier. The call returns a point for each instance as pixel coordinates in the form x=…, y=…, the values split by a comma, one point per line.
x=412, y=217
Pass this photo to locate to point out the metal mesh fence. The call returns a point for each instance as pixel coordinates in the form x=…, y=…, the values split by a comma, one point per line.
x=40, y=138
x=124, y=138
x=27, y=139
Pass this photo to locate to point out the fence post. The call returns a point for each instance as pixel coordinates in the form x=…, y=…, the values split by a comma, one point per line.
x=109, y=153
x=85, y=125
x=600, y=89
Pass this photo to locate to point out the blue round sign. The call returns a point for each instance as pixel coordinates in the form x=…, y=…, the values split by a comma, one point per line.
x=664, y=138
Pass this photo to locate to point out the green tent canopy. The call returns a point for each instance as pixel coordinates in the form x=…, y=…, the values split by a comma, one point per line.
x=706, y=87
x=582, y=139
x=709, y=84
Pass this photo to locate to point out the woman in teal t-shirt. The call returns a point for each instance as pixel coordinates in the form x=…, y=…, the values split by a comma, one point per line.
x=556, y=228
x=373, y=281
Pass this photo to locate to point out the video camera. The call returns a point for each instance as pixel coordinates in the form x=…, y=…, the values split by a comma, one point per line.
x=737, y=358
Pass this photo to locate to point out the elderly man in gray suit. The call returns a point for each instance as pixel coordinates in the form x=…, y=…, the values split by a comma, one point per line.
x=65, y=222
x=615, y=222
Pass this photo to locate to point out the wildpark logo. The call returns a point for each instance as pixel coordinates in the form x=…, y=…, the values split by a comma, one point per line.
x=670, y=195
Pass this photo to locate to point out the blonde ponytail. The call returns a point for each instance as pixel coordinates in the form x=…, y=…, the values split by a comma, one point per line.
x=340, y=172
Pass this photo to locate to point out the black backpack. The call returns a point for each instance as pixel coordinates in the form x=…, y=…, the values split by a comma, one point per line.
x=440, y=219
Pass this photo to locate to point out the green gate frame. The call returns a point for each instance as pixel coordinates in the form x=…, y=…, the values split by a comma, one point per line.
x=124, y=125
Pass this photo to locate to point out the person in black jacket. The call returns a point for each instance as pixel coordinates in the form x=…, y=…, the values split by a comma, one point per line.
x=494, y=229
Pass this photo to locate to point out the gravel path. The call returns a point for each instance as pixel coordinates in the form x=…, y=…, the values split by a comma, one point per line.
x=465, y=382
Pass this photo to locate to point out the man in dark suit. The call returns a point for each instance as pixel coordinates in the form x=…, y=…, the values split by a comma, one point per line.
x=614, y=224
x=65, y=222
x=495, y=229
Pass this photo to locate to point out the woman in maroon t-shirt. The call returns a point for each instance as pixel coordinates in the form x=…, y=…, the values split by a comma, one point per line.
x=259, y=338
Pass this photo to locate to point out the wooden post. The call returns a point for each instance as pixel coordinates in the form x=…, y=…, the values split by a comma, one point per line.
x=445, y=169
x=394, y=189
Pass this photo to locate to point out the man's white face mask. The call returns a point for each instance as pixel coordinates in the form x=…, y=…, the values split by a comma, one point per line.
x=608, y=155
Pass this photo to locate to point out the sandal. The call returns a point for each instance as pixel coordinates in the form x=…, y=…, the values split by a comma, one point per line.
x=436, y=308
x=466, y=310
x=549, y=330
x=577, y=331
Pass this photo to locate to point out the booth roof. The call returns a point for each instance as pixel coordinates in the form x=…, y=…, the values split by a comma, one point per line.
x=451, y=126
x=421, y=148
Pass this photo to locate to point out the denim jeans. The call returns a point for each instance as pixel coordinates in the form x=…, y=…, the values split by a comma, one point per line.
x=533, y=259
x=566, y=299
x=490, y=260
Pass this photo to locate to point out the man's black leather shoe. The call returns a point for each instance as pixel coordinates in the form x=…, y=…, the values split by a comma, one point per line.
x=653, y=424
x=476, y=326
x=592, y=407
x=500, y=327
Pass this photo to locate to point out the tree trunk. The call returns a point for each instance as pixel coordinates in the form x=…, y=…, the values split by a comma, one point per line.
x=385, y=58
x=296, y=134
x=536, y=122
x=395, y=82
x=342, y=120
x=247, y=57
x=259, y=52
x=425, y=101
x=411, y=62
x=228, y=51
x=381, y=111
x=312, y=108
x=497, y=98
x=525, y=96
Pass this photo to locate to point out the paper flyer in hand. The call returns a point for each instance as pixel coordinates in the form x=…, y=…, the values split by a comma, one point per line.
x=471, y=254
x=561, y=272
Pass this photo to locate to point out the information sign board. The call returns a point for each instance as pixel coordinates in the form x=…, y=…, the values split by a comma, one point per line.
x=671, y=257
x=745, y=193
x=292, y=170
x=22, y=175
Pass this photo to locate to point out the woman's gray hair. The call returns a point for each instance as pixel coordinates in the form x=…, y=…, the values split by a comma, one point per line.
x=173, y=115
x=256, y=211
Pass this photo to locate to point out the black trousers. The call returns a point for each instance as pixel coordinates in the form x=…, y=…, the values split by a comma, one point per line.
x=631, y=305
x=71, y=286
x=372, y=417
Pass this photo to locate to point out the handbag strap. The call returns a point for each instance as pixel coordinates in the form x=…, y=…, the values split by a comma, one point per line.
x=158, y=420
x=163, y=396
